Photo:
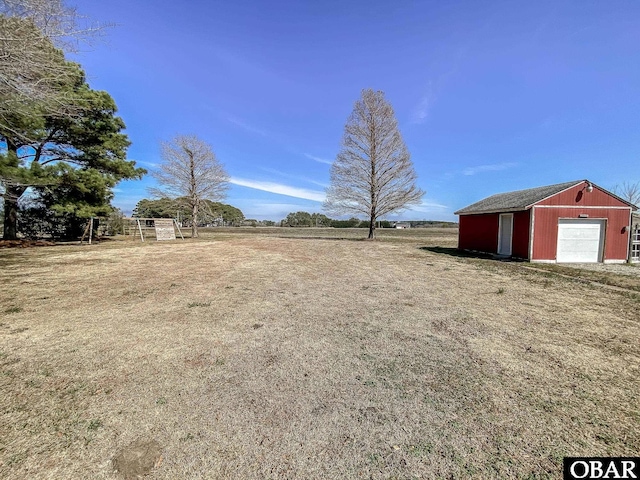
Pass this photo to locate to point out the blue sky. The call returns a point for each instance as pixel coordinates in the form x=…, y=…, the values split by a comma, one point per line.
x=489, y=96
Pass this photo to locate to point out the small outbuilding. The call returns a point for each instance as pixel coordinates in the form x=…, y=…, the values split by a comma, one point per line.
x=573, y=222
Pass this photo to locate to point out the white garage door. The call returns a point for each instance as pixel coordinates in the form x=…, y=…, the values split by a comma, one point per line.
x=580, y=241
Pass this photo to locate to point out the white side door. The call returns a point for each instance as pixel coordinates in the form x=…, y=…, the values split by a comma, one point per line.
x=505, y=234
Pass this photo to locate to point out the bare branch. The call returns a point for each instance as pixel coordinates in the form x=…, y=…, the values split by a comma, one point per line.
x=58, y=22
x=373, y=174
x=34, y=35
x=629, y=191
x=190, y=169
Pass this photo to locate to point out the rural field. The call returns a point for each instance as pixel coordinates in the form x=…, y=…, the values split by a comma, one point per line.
x=309, y=353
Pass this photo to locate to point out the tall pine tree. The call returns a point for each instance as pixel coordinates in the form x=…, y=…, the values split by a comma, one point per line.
x=70, y=162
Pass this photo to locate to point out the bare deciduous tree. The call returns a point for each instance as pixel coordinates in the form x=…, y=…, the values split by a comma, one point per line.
x=57, y=21
x=34, y=34
x=190, y=171
x=628, y=191
x=373, y=174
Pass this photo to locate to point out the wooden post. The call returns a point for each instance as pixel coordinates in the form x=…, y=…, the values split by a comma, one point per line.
x=178, y=226
x=84, y=234
x=90, y=229
x=140, y=228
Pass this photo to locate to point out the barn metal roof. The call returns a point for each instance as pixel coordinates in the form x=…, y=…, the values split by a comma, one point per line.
x=518, y=200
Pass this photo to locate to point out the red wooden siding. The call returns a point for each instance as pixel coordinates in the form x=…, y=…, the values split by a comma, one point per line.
x=479, y=232
x=578, y=196
x=520, y=243
x=545, y=237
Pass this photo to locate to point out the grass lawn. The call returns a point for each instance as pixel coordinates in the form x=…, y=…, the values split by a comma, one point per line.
x=291, y=353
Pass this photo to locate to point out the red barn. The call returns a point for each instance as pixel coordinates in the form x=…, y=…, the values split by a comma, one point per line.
x=573, y=222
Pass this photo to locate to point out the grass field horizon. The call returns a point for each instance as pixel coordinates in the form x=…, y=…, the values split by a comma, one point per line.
x=303, y=353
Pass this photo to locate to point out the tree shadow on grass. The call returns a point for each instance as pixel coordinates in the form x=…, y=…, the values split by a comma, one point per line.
x=456, y=252
x=351, y=239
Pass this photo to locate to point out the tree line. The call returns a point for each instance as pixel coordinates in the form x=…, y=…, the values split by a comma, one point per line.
x=209, y=213
x=306, y=219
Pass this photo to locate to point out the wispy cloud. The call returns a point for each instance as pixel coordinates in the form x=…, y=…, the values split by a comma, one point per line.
x=273, y=211
x=489, y=168
x=427, y=206
x=280, y=189
x=421, y=111
x=148, y=164
x=300, y=178
x=444, y=70
x=247, y=127
x=318, y=159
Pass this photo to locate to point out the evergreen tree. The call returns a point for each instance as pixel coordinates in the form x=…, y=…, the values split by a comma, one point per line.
x=208, y=213
x=70, y=162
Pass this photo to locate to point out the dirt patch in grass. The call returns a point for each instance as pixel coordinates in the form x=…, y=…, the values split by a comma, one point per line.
x=138, y=459
x=265, y=357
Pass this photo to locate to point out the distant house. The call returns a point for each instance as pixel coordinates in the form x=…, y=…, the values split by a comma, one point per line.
x=573, y=222
x=402, y=225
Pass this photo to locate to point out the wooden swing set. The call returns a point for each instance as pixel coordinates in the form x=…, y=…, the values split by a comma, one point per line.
x=163, y=228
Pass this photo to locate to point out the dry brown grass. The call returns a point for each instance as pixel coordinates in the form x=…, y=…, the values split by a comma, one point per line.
x=605, y=277
x=444, y=237
x=256, y=356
